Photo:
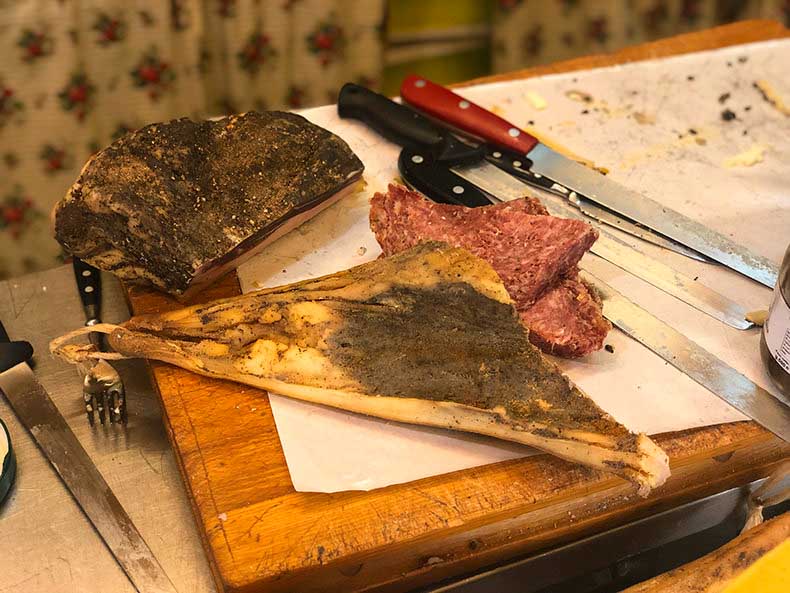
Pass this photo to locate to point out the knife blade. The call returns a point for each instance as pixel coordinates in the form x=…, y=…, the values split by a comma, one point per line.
x=460, y=113
x=675, y=348
x=504, y=187
x=402, y=125
x=515, y=164
x=37, y=412
x=693, y=360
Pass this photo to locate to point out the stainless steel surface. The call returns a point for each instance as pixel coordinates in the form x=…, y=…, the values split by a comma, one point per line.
x=610, y=547
x=48, y=544
x=650, y=213
x=38, y=413
x=693, y=360
x=505, y=187
x=603, y=215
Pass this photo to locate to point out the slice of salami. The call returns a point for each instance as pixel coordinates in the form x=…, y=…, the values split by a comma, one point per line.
x=567, y=320
x=530, y=251
x=534, y=254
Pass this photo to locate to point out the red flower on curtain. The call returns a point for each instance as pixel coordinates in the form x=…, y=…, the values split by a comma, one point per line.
x=54, y=158
x=77, y=95
x=153, y=75
x=255, y=53
x=110, y=30
x=533, y=41
x=35, y=45
x=17, y=212
x=11, y=159
x=296, y=97
x=508, y=5
x=655, y=16
x=598, y=29
x=226, y=8
x=327, y=42
x=690, y=10
x=9, y=104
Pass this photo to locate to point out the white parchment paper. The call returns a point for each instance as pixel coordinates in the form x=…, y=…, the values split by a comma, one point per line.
x=657, y=127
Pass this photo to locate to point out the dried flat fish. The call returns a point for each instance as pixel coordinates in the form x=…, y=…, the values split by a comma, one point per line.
x=178, y=204
x=428, y=336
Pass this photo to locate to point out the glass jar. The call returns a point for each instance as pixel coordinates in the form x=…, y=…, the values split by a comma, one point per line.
x=775, y=339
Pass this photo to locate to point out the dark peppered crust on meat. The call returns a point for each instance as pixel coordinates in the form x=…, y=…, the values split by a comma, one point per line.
x=168, y=202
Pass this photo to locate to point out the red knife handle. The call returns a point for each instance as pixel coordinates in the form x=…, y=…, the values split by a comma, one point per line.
x=443, y=104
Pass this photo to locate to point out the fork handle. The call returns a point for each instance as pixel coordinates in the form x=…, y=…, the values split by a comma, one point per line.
x=89, y=285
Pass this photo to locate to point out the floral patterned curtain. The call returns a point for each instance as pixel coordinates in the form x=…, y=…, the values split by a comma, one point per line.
x=529, y=32
x=77, y=74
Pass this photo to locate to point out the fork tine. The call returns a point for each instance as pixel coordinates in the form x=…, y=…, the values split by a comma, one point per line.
x=101, y=407
x=90, y=408
x=122, y=405
x=115, y=403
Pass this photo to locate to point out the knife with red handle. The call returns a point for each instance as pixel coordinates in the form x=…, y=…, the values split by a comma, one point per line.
x=443, y=104
x=542, y=161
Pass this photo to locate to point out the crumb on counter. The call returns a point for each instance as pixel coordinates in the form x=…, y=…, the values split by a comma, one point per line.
x=747, y=158
x=771, y=96
x=609, y=348
x=536, y=100
x=580, y=96
x=644, y=118
x=757, y=317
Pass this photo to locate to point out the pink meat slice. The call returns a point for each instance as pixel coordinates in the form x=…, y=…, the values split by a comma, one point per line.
x=567, y=320
x=530, y=251
x=534, y=254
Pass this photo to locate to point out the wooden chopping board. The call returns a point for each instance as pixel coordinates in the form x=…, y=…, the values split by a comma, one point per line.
x=261, y=535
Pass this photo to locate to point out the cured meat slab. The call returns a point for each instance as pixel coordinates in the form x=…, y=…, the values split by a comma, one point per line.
x=428, y=336
x=177, y=204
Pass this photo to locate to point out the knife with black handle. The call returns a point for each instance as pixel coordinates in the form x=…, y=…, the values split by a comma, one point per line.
x=403, y=125
x=89, y=285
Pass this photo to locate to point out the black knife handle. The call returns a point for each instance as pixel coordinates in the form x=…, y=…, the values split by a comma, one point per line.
x=402, y=125
x=437, y=181
x=12, y=353
x=89, y=285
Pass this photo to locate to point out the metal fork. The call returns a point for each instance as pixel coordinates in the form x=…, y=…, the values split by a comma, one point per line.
x=102, y=388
